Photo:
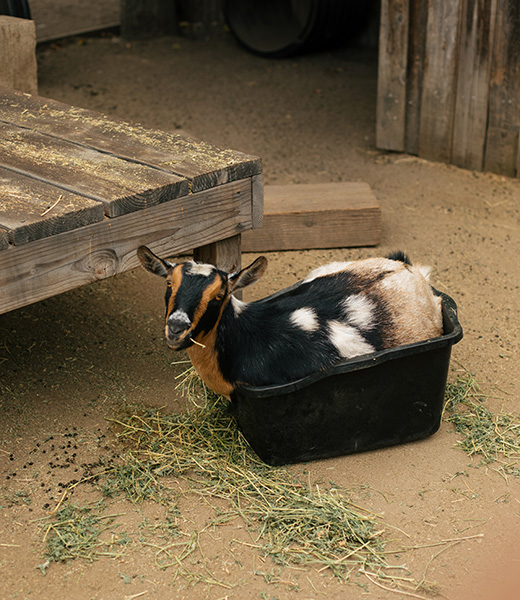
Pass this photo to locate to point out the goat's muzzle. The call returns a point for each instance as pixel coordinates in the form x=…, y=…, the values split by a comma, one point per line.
x=177, y=333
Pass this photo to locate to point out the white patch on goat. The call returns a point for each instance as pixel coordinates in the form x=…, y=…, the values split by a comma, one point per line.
x=305, y=318
x=359, y=311
x=199, y=269
x=348, y=341
x=180, y=315
x=238, y=306
x=329, y=269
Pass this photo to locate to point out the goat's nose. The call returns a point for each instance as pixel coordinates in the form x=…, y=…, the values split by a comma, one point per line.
x=175, y=328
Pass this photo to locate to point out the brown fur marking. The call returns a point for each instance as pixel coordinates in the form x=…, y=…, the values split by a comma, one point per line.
x=205, y=360
x=175, y=278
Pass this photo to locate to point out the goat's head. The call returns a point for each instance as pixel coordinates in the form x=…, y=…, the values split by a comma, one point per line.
x=196, y=294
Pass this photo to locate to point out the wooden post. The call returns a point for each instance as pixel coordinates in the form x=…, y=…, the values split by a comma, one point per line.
x=18, y=54
x=224, y=254
x=148, y=18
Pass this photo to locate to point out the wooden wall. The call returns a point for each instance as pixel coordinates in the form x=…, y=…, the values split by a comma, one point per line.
x=449, y=82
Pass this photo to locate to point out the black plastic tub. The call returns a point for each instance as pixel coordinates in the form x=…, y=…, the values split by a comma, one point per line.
x=373, y=401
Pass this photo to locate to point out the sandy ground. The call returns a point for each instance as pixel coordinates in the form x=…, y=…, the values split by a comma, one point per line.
x=70, y=363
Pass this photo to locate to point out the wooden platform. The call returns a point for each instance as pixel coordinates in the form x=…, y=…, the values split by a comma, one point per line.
x=79, y=192
x=330, y=215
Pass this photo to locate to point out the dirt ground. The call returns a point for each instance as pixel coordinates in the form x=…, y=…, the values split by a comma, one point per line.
x=71, y=362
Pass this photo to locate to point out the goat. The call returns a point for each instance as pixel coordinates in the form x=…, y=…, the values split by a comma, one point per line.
x=340, y=310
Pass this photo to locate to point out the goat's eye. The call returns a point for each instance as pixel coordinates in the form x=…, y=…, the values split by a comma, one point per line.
x=168, y=284
x=220, y=296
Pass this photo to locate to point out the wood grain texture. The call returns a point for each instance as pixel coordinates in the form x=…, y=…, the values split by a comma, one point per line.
x=472, y=92
x=202, y=164
x=501, y=151
x=53, y=265
x=224, y=254
x=122, y=186
x=18, y=54
x=316, y=216
x=391, y=92
x=31, y=210
x=257, y=182
x=4, y=239
x=414, y=77
x=439, y=83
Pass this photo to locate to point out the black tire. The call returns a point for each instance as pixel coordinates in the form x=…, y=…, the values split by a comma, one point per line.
x=281, y=28
x=15, y=8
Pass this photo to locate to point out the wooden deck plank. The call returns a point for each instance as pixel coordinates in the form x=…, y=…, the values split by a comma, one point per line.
x=122, y=186
x=31, y=210
x=334, y=215
x=53, y=265
x=203, y=164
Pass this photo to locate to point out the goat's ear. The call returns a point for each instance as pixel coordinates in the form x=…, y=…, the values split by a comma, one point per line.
x=153, y=263
x=249, y=275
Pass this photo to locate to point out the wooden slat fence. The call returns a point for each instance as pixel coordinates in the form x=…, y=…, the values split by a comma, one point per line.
x=449, y=82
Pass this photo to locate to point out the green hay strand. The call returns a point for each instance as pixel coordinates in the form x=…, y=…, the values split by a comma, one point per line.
x=495, y=437
x=293, y=523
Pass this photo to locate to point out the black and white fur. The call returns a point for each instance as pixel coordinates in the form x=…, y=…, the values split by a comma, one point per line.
x=338, y=311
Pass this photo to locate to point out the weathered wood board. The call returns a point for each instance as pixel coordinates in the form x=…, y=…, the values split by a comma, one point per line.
x=202, y=164
x=18, y=54
x=333, y=215
x=4, y=239
x=46, y=267
x=438, y=84
x=80, y=192
x=121, y=185
x=31, y=210
x=417, y=19
x=391, y=96
x=472, y=92
x=501, y=154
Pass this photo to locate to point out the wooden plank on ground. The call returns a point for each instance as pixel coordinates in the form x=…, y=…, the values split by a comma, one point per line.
x=31, y=210
x=417, y=18
x=333, y=215
x=438, y=91
x=53, y=265
x=501, y=152
x=203, y=164
x=472, y=92
x=18, y=54
x=122, y=186
x=391, y=89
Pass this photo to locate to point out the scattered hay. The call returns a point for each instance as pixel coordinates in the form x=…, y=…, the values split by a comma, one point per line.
x=74, y=532
x=293, y=523
x=494, y=437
